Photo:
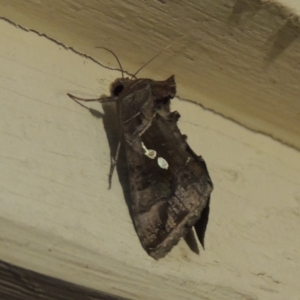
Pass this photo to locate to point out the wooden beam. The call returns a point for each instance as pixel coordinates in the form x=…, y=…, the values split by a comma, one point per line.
x=22, y=284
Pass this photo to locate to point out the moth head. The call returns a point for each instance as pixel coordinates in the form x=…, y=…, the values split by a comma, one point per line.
x=118, y=85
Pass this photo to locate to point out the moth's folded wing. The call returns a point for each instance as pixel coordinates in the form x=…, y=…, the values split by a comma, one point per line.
x=167, y=202
x=201, y=224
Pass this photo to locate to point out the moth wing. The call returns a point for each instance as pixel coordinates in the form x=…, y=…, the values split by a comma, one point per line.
x=201, y=224
x=166, y=202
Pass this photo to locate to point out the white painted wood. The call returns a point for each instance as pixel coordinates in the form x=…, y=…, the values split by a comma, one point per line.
x=58, y=217
x=238, y=57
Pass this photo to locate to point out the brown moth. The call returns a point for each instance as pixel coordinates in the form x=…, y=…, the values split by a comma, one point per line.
x=169, y=184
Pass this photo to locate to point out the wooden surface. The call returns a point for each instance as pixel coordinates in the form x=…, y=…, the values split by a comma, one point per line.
x=57, y=216
x=237, y=57
x=21, y=284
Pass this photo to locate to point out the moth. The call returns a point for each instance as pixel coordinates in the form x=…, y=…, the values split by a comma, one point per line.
x=170, y=185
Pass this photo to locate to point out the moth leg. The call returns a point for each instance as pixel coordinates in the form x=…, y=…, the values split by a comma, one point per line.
x=101, y=100
x=113, y=164
x=80, y=103
x=94, y=112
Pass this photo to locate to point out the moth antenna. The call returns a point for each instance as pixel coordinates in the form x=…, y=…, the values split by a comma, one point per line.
x=159, y=53
x=115, y=58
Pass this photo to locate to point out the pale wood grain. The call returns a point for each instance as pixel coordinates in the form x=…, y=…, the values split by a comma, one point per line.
x=237, y=57
x=58, y=218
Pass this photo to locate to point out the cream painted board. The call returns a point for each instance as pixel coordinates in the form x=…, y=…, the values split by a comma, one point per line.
x=239, y=57
x=58, y=217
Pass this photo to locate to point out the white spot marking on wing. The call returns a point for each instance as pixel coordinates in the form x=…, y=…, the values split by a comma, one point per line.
x=162, y=163
x=149, y=152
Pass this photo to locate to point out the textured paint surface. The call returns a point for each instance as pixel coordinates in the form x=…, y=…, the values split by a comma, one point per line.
x=238, y=57
x=57, y=216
